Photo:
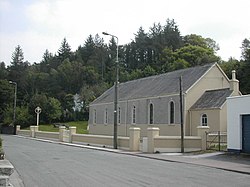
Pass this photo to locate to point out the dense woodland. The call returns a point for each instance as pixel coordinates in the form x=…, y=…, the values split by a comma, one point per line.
x=63, y=84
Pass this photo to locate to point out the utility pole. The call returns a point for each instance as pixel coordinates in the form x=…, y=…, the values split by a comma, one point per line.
x=116, y=92
x=181, y=116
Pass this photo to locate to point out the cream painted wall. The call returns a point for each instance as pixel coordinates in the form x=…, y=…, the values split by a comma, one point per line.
x=213, y=120
x=217, y=119
x=123, y=129
x=213, y=79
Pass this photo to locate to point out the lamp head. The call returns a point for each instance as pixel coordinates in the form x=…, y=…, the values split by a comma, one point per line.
x=104, y=33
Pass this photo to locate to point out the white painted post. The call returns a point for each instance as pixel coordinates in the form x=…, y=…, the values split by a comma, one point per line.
x=201, y=131
x=33, y=130
x=134, y=138
x=18, y=127
x=72, y=131
x=152, y=133
x=61, y=132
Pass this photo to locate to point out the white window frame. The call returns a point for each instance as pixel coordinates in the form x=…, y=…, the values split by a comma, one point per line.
x=204, y=120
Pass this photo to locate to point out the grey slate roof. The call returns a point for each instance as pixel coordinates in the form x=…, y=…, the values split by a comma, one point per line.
x=212, y=99
x=159, y=85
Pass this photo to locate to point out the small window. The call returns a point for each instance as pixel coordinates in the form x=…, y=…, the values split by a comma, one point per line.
x=106, y=116
x=134, y=115
x=204, y=120
x=119, y=115
x=94, y=116
x=171, y=112
x=151, y=114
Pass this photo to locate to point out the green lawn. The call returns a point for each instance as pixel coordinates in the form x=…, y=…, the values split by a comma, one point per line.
x=81, y=127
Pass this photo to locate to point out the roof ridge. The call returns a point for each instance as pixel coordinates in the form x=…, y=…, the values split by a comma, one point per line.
x=167, y=73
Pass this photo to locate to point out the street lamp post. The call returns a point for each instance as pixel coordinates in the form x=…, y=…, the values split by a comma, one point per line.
x=14, y=113
x=116, y=92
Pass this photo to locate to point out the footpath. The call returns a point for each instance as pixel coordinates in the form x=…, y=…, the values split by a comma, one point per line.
x=239, y=163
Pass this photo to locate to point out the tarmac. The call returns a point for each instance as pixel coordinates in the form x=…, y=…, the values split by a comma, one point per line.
x=239, y=163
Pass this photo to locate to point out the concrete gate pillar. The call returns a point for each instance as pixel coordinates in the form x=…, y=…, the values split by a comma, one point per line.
x=72, y=131
x=152, y=133
x=61, y=132
x=134, y=138
x=201, y=131
x=33, y=130
x=18, y=127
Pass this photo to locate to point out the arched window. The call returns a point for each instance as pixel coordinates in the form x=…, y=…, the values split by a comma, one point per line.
x=204, y=120
x=134, y=115
x=119, y=115
x=151, y=114
x=94, y=116
x=171, y=112
x=106, y=116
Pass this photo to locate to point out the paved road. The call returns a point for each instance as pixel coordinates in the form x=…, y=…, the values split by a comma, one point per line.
x=47, y=165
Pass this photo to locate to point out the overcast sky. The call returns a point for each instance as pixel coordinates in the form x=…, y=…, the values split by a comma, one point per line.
x=37, y=25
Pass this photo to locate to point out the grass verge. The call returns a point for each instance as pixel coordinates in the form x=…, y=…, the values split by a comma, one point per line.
x=81, y=127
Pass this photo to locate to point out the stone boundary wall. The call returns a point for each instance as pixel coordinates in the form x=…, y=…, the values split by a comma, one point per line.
x=24, y=132
x=47, y=135
x=150, y=144
x=173, y=143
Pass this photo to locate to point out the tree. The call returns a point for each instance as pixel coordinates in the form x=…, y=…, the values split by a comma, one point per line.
x=37, y=82
x=18, y=72
x=196, y=55
x=6, y=98
x=64, y=51
x=23, y=117
x=245, y=66
x=67, y=105
x=53, y=110
x=171, y=35
x=148, y=71
x=167, y=58
x=197, y=40
x=90, y=93
x=156, y=40
x=45, y=63
x=7, y=115
x=40, y=100
x=17, y=57
x=88, y=49
x=3, y=71
x=245, y=50
x=211, y=44
x=142, y=44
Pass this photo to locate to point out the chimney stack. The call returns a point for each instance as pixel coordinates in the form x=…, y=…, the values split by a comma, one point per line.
x=234, y=83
